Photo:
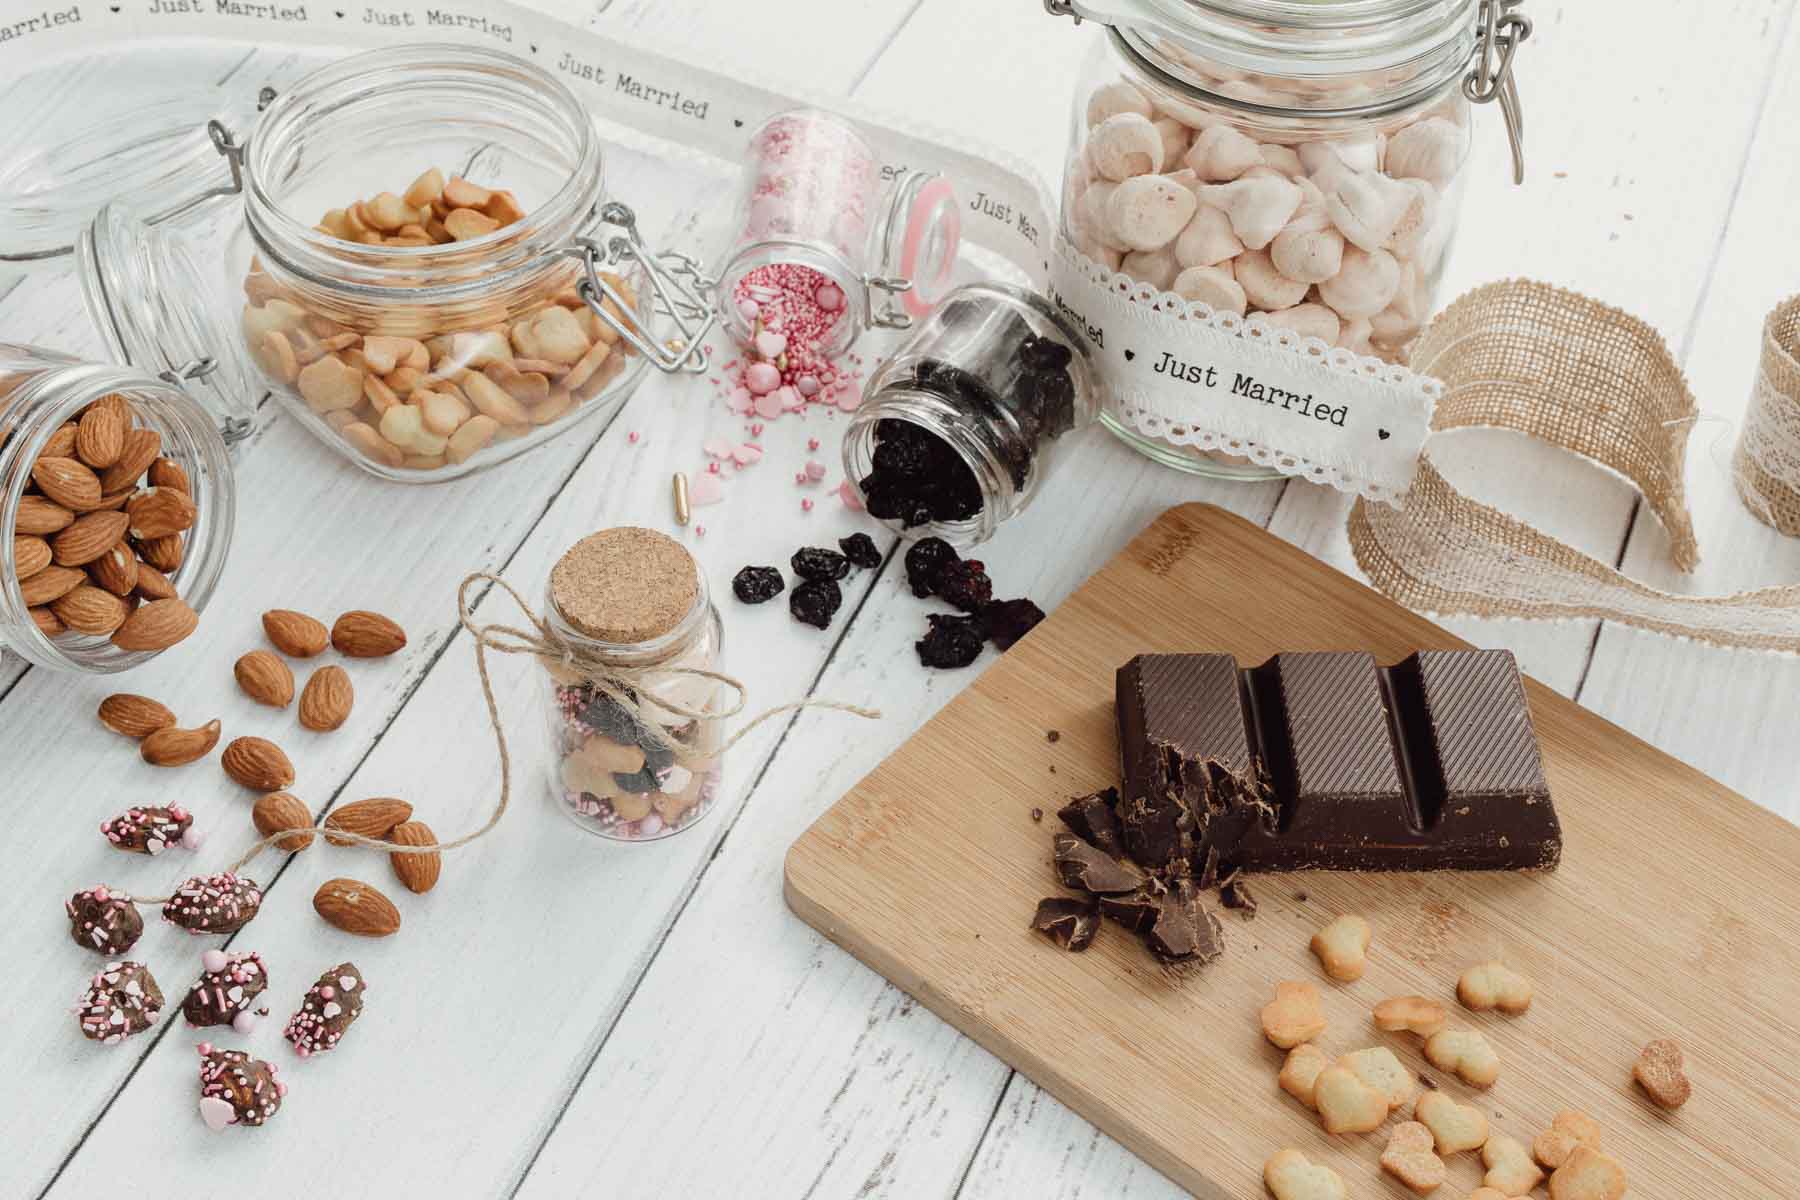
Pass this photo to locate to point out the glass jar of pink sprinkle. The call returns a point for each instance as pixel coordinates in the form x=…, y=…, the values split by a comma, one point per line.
x=830, y=243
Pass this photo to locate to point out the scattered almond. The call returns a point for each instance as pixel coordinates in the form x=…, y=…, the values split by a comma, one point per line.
x=134, y=716
x=156, y=625
x=265, y=678
x=167, y=473
x=164, y=553
x=116, y=570
x=68, y=482
x=140, y=450
x=372, y=818
x=88, y=609
x=417, y=872
x=88, y=538
x=100, y=435
x=152, y=584
x=283, y=810
x=257, y=764
x=355, y=907
x=362, y=634
x=295, y=634
x=325, y=703
x=50, y=583
x=172, y=747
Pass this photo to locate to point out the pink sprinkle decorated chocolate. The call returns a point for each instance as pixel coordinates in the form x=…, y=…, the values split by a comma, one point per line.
x=221, y=903
x=103, y=921
x=328, y=1010
x=151, y=830
x=121, y=1000
x=228, y=985
x=236, y=1089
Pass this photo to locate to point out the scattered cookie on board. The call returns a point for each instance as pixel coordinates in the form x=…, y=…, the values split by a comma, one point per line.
x=1661, y=1071
x=1491, y=985
x=1454, y=1127
x=1294, y=1016
x=1588, y=1175
x=236, y=1089
x=1301, y=1071
x=1488, y=1193
x=1510, y=1170
x=1409, y=1157
x=1343, y=947
x=1380, y=1069
x=1466, y=1052
x=1347, y=1104
x=1290, y=1176
x=1411, y=1014
x=1569, y=1129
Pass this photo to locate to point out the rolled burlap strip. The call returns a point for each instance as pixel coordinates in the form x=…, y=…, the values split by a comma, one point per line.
x=1766, y=466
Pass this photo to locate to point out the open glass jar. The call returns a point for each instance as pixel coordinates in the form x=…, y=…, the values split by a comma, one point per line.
x=67, y=601
x=958, y=429
x=1297, y=162
x=820, y=218
x=433, y=277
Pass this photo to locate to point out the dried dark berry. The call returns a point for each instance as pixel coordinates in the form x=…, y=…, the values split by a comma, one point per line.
x=607, y=716
x=924, y=559
x=816, y=562
x=861, y=550
x=1045, y=354
x=639, y=783
x=815, y=602
x=753, y=585
x=965, y=585
x=902, y=459
x=1009, y=620
x=952, y=642
x=884, y=502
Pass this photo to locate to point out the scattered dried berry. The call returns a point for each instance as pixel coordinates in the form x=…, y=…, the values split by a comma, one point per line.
x=815, y=602
x=952, y=642
x=103, y=921
x=1044, y=354
x=918, y=477
x=861, y=550
x=1009, y=620
x=965, y=585
x=753, y=585
x=816, y=562
x=924, y=559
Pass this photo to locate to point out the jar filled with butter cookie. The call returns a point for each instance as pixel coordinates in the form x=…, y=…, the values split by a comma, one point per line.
x=635, y=701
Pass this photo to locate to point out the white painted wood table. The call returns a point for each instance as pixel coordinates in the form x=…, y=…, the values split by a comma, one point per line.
x=561, y=1018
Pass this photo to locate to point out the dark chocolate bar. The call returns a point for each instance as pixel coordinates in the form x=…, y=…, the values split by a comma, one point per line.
x=1327, y=761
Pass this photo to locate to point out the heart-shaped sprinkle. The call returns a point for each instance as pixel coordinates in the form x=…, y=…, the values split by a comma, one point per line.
x=216, y=1113
x=704, y=490
x=770, y=345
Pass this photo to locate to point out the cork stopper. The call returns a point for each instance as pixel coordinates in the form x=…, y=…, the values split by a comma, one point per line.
x=625, y=585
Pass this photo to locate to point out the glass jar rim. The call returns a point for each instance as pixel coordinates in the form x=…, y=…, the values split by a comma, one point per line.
x=355, y=269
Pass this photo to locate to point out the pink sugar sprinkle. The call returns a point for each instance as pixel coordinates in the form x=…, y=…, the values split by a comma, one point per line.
x=713, y=467
x=806, y=504
x=632, y=437
x=699, y=531
x=812, y=443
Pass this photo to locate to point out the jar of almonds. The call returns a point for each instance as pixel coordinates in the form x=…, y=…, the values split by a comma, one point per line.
x=633, y=708
x=116, y=510
x=1297, y=163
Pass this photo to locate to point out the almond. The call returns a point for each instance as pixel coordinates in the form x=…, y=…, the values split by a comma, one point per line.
x=88, y=609
x=50, y=584
x=158, y=512
x=152, y=584
x=134, y=716
x=114, y=501
x=30, y=555
x=117, y=570
x=363, y=634
x=283, y=810
x=100, y=436
x=257, y=764
x=140, y=450
x=88, y=538
x=156, y=625
x=174, y=747
x=48, y=623
x=167, y=473
x=61, y=443
x=355, y=907
x=371, y=818
x=295, y=633
x=163, y=553
x=67, y=482
x=40, y=515
x=326, y=701
x=416, y=872
x=265, y=679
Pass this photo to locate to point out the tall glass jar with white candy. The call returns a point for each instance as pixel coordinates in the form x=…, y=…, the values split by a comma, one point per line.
x=1298, y=161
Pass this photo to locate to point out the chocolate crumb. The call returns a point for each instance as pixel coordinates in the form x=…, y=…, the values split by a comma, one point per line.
x=1086, y=867
x=1428, y=1081
x=1069, y=923
x=1053, y=736
x=1235, y=893
x=1037, y=814
x=1053, y=768
x=1301, y=897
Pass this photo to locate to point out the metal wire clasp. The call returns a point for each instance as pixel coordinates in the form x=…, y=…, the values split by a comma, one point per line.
x=693, y=317
x=888, y=316
x=1503, y=30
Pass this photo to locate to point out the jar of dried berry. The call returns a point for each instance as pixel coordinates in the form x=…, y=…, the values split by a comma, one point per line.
x=959, y=428
x=830, y=242
x=634, y=707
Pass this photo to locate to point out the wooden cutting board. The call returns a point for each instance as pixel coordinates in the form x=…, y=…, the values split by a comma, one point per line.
x=1676, y=912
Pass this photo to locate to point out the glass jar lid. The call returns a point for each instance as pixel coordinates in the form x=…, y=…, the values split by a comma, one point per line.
x=920, y=238
x=156, y=312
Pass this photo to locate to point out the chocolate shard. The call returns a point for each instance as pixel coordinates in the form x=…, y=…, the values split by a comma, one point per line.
x=1185, y=932
x=1325, y=760
x=1094, y=820
x=1088, y=868
x=1136, y=911
x=1069, y=923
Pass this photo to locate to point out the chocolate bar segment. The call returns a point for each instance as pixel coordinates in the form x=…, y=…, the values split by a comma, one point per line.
x=1328, y=761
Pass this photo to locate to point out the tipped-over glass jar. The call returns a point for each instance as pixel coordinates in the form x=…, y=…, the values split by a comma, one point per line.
x=1298, y=162
x=633, y=713
x=959, y=428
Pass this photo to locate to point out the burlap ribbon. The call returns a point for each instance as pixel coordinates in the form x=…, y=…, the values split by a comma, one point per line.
x=1565, y=369
x=1766, y=466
